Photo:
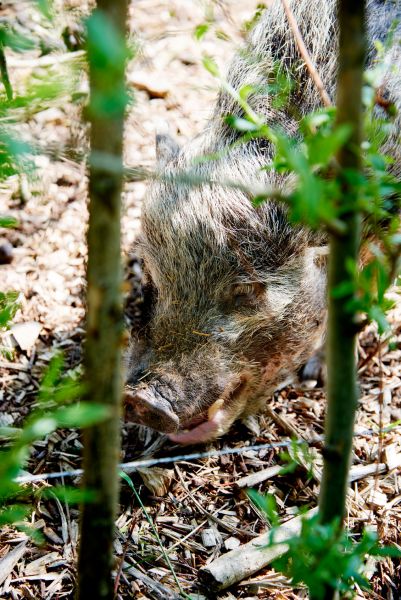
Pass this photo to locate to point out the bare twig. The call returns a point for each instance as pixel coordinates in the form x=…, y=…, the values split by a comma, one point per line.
x=305, y=54
x=160, y=591
x=381, y=343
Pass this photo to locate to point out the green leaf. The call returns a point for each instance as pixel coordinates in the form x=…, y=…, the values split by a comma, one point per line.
x=391, y=551
x=46, y=8
x=128, y=480
x=6, y=221
x=200, y=30
x=243, y=125
x=210, y=65
x=9, y=433
x=376, y=314
x=35, y=534
x=265, y=503
x=245, y=91
x=322, y=147
x=343, y=290
x=315, y=120
x=8, y=307
x=13, y=514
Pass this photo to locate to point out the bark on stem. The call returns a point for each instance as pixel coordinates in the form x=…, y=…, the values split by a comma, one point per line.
x=104, y=308
x=342, y=392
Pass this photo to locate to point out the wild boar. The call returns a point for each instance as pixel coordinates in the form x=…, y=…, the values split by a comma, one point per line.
x=235, y=295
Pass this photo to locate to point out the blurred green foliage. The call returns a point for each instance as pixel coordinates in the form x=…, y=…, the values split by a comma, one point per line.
x=58, y=405
x=58, y=402
x=322, y=554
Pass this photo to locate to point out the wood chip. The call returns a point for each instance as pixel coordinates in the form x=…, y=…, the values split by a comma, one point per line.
x=8, y=563
x=231, y=543
x=393, y=456
x=209, y=537
x=362, y=471
x=376, y=499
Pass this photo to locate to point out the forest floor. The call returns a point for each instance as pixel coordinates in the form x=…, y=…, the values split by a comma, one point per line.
x=198, y=507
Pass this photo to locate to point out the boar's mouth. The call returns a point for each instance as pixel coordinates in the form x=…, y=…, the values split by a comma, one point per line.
x=203, y=428
x=152, y=409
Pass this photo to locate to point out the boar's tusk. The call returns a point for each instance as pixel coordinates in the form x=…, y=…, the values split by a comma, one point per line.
x=152, y=410
x=216, y=406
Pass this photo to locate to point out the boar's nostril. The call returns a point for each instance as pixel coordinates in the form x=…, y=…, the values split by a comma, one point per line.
x=152, y=410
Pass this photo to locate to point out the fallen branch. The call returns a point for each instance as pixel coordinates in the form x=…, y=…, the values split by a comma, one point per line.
x=249, y=558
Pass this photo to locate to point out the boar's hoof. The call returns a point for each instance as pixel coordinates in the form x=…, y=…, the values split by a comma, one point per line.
x=313, y=373
x=152, y=410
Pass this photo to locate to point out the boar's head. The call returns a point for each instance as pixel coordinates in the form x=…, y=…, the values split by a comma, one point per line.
x=234, y=300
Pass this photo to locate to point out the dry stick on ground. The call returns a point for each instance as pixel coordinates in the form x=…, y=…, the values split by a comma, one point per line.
x=305, y=54
x=342, y=392
x=104, y=319
x=160, y=591
x=251, y=557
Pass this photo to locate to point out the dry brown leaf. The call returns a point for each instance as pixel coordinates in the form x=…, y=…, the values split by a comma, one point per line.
x=38, y=566
x=157, y=480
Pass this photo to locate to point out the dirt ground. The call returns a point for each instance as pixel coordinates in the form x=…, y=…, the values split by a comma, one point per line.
x=197, y=507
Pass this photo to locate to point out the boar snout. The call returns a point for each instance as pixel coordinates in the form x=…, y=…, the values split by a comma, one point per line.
x=150, y=408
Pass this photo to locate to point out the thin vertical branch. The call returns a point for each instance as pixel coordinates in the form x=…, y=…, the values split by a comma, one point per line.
x=342, y=392
x=106, y=55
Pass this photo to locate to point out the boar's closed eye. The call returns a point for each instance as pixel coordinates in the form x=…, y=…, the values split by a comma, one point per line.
x=245, y=295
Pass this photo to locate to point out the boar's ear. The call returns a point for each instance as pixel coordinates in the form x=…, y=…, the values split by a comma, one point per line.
x=166, y=148
x=319, y=255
